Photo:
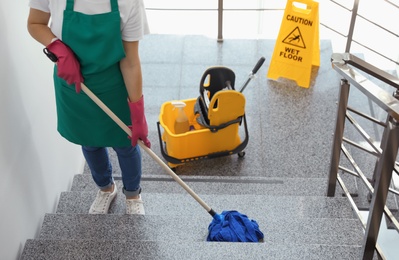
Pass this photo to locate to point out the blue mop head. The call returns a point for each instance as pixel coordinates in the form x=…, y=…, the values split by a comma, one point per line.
x=232, y=226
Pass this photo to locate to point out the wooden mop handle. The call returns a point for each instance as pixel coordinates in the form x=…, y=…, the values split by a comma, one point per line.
x=148, y=150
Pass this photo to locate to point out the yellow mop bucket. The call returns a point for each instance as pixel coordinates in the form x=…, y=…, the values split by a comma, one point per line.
x=214, y=120
x=198, y=143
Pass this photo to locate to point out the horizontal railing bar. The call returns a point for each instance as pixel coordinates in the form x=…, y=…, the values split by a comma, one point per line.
x=343, y=35
x=361, y=147
x=376, y=52
x=391, y=217
x=340, y=5
x=357, y=169
x=394, y=191
x=342, y=168
x=392, y=3
x=363, y=133
x=367, y=116
x=379, y=26
x=346, y=170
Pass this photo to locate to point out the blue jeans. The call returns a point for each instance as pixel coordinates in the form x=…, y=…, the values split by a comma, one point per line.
x=129, y=160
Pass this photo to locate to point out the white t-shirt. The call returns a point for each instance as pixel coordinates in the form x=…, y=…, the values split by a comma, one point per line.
x=134, y=23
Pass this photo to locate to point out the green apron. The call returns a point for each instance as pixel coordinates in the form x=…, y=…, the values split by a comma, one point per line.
x=97, y=43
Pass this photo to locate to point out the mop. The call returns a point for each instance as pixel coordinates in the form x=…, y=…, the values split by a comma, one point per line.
x=229, y=226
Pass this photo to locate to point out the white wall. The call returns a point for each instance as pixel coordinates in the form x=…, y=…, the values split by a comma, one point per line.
x=36, y=164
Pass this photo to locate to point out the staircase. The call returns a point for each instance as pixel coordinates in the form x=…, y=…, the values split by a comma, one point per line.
x=281, y=182
x=297, y=223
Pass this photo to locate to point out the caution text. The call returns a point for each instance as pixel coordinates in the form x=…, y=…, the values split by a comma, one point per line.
x=299, y=20
x=291, y=54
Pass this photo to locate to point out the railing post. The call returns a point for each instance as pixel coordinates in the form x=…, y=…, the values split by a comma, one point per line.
x=220, y=21
x=385, y=167
x=352, y=26
x=338, y=136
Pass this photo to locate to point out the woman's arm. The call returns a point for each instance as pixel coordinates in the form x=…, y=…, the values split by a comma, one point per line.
x=38, y=26
x=131, y=70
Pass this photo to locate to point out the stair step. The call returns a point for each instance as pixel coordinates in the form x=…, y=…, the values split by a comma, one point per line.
x=161, y=204
x=180, y=250
x=194, y=228
x=220, y=185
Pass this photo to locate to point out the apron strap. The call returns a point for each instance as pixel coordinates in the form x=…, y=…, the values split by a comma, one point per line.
x=69, y=5
x=114, y=6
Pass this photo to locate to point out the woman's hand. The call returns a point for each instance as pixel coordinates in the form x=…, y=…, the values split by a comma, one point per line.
x=68, y=65
x=139, y=123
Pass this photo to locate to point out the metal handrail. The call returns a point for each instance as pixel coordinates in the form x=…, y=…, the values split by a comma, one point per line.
x=349, y=35
x=352, y=69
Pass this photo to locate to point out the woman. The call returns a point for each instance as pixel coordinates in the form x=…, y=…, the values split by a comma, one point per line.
x=97, y=42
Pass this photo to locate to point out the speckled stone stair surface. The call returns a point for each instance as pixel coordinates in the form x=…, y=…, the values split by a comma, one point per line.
x=286, y=230
x=272, y=196
x=181, y=250
x=184, y=204
x=175, y=226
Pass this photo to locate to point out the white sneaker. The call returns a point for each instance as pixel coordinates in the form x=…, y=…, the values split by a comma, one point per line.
x=102, y=202
x=135, y=206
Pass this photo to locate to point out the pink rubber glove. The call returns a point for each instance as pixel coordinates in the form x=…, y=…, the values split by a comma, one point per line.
x=139, y=124
x=67, y=63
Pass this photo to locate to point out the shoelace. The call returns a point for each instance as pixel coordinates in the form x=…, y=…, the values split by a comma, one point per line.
x=102, y=199
x=133, y=207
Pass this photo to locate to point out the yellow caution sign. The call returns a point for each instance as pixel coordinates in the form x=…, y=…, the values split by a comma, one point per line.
x=297, y=46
